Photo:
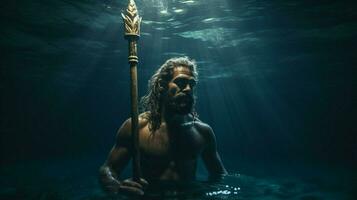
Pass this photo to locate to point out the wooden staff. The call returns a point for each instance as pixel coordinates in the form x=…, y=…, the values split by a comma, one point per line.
x=132, y=33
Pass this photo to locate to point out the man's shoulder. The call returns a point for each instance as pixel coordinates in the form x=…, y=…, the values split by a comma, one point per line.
x=205, y=131
x=125, y=129
x=203, y=127
x=143, y=120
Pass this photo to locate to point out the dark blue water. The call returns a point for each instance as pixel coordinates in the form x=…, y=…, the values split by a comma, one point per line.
x=76, y=179
x=276, y=83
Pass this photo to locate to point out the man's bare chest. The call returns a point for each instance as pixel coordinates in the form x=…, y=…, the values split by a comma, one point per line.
x=170, y=154
x=179, y=143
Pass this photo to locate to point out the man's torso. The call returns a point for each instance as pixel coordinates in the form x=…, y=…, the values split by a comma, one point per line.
x=170, y=153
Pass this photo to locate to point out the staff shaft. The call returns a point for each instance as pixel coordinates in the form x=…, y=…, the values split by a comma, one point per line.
x=134, y=116
x=132, y=32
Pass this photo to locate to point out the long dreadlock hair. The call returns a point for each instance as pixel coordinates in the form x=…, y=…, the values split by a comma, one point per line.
x=157, y=87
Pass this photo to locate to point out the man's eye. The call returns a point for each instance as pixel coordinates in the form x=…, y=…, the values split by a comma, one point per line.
x=192, y=83
x=180, y=83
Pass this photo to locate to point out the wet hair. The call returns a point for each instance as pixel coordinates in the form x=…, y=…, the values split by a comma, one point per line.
x=151, y=103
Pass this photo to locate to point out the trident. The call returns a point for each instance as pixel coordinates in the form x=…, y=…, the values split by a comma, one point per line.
x=132, y=33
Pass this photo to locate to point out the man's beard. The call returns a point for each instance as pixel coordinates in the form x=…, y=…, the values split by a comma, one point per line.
x=181, y=104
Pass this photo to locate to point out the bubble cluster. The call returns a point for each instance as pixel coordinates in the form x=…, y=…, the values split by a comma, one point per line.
x=228, y=190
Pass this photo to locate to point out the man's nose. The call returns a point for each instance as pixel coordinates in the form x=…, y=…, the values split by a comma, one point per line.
x=187, y=89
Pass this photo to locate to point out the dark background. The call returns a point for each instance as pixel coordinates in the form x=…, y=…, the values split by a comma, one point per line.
x=277, y=78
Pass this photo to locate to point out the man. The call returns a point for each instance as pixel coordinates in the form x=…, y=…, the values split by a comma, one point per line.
x=171, y=137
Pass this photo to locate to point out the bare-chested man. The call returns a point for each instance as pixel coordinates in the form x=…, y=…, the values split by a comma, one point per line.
x=171, y=137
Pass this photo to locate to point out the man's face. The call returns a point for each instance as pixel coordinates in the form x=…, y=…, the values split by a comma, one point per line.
x=180, y=91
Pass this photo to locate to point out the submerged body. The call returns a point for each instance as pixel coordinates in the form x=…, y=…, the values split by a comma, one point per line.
x=171, y=152
x=170, y=148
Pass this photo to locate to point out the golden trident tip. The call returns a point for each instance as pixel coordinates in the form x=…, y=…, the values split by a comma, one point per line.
x=132, y=20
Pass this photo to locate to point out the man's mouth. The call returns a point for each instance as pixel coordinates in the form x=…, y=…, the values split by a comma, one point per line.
x=184, y=100
x=183, y=104
x=184, y=97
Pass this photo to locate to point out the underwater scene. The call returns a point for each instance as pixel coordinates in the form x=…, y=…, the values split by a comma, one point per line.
x=275, y=83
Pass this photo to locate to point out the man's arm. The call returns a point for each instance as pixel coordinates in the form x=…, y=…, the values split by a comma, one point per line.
x=211, y=157
x=118, y=158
